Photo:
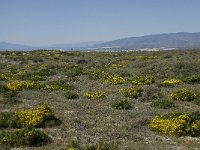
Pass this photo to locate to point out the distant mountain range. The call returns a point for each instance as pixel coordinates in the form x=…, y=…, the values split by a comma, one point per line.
x=170, y=40
x=166, y=40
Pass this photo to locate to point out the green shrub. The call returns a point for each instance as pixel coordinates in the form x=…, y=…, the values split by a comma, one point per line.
x=123, y=104
x=7, y=119
x=24, y=137
x=183, y=95
x=71, y=95
x=72, y=71
x=163, y=103
x=197, y=101
x=3, y=89
x=10, y=97
x=45, y=72
x=133, y=92
x=192, y=79
x=194, y=116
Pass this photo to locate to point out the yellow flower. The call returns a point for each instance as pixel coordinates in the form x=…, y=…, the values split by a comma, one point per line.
x=171, y=82
x=94, y=95
x=114, y=79
x=20, y=85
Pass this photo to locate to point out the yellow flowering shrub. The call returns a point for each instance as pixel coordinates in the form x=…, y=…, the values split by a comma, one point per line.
x=171, y=125
x=20, y=85
x=171, y=82
x=94, y=95
x=40, y=116
x=142, y=80
x=6, y=76
x=114, y=79
x=177, y=124
x=35, y=117
x=183, y=95
x=21, y=72
x=133, y=92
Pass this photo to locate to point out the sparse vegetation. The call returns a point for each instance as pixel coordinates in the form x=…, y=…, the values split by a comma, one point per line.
x=123, y=104
x=163, y=103
x=100, y=98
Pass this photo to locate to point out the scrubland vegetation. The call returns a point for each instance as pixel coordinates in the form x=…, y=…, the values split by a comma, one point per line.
x=100, y=100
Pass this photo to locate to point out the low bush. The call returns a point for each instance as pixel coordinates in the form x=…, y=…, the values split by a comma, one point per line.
x=71, y=95
x=72, y=71
x=192, y=79
x=7, y=119
x=3, y=89
x=163, y=103
x=24, y=137
x=197, y=101
x=123, y=104
x=177, y=124
x=10, y=97
x=183, y=95
x=133, y=92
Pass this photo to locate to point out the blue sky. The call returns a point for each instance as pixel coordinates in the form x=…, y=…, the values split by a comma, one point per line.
x=46, y=22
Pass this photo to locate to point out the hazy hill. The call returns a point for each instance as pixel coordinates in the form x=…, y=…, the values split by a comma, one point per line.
x=170, y=40
x=68, y=46
x=11, y=46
